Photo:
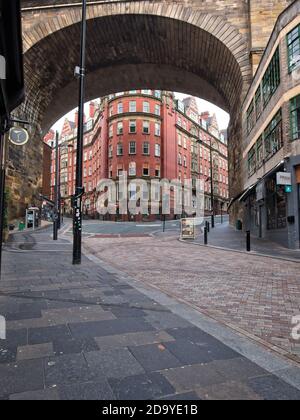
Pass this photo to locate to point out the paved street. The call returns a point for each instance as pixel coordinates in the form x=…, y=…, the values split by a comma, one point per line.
x=93, y=332
x=257, y=295
x=226, y=236
x=91, y=227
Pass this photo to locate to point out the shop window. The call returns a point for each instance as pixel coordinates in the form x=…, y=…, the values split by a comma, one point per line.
x=273, y=136
x=293, y=42
x=271, y=79
x=295, y=118
x=276, y=204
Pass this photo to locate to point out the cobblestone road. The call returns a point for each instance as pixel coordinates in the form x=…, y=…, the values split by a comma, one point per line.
x=255, y=294
x=92, y=332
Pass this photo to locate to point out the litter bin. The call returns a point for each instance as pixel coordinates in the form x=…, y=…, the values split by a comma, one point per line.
x=21, y=226
x=239, y=225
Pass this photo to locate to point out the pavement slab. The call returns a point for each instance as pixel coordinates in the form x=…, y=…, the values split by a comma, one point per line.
x=94, y=332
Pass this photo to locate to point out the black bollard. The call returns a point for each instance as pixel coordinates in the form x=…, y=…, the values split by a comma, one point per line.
x=205, y=236
x=248, y=241
x=208, y=227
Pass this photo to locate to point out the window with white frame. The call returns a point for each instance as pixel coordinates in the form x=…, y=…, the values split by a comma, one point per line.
x=120, y=128
x=120, y=108
x=120, y=149
x=132, y=106
x=146, y=127
x=146, y=148
x=132, y=127
x=157, y=129
x=157, y=150
x=157, y=110
x=132, y=147
x=146, y=107
x=132, y=169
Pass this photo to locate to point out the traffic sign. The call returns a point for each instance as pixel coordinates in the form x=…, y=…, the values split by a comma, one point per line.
x=18, y=136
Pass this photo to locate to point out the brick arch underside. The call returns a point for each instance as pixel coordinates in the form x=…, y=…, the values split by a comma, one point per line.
x=133, y=51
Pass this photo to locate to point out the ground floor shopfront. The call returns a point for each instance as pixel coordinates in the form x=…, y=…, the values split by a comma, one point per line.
x=272, y=211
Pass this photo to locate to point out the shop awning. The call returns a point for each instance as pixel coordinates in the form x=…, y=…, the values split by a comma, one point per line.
x=12, y=87
x=248, y=191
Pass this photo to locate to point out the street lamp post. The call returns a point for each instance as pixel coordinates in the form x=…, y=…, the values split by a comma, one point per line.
x=56, y=189
x=212, y=186
x=77, y=202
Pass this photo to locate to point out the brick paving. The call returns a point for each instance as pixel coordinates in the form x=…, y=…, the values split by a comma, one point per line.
x=84, y=333
x=256, y=295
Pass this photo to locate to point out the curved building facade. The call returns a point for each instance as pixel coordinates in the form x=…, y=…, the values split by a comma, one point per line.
x=148, y=135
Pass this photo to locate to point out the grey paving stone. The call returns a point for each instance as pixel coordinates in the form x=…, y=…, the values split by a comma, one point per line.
x=239, y=369
x=141, y=387
x=21, y=377
x=127, y=312
x=272, y=388
x=133, y=339
x=113, y=327
x=155, y=357
x=40, y=395
x=165, y=320
x=36, y=351
x=189, y=353
x=16, y=338
x=48, y=334
x=188, y=378
x=30, y=314
x=73, y=346
x=193, y=334
x=67, y=369
x=7, y=354
x=232, y=391
x=77, y=314
x=116, y=363
x=91, y=391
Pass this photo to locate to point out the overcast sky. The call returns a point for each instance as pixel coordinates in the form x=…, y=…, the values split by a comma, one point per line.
x=222, y=116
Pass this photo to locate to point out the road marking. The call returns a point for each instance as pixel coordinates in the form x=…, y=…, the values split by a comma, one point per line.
x=148, y=226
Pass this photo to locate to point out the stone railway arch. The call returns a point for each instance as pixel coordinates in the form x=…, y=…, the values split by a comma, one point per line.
x=206, y=49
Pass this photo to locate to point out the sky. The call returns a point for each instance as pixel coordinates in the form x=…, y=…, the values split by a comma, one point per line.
x=222, y=116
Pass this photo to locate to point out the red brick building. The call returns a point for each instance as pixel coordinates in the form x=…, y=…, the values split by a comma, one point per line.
x=149, y=135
